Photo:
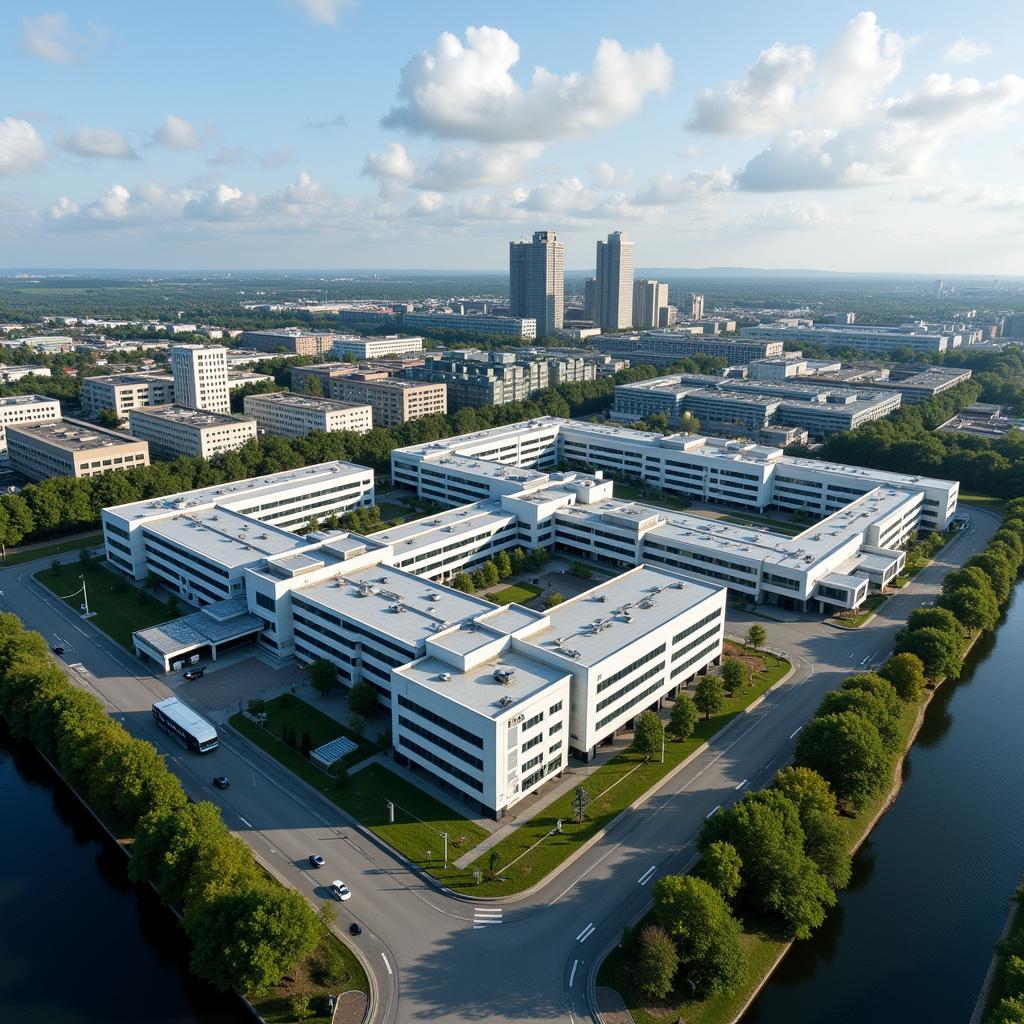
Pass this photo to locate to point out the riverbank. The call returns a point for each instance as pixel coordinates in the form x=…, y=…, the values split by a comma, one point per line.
x=995, y=986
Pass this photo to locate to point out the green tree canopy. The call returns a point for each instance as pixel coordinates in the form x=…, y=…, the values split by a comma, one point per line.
x=722, y=868
x=973, y=607
x=654, y=962
x=939, y=651
x=906, y=673
x=757, y=636
x=323, y=676
x=362, y=697
x=683, y=718
x=648, y=734
x=734, y=675
x=709, y=695
x=847, y=752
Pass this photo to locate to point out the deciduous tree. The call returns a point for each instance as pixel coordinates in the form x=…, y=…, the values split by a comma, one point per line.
x=847, y=752
x=722, y=867
x=757, y=636
x=654, y=962
x=683, y=718
x=906, y=673
x=709, y=695
x=734, y=675
x=323, y=676
x=648, y=734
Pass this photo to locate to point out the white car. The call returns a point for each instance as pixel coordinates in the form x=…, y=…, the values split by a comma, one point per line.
x=340, y=890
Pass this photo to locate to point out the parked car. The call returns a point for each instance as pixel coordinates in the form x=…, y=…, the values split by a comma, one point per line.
x=58, y=650
x=340, y=890
x=195, y=673
x=221, y=781
x=316, y=860
x=354, y=929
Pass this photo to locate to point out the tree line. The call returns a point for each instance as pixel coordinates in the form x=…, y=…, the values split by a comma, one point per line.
x=782, y=852
x=247, y=931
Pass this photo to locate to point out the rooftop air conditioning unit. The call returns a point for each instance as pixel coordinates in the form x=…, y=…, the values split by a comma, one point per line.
x=445, y=677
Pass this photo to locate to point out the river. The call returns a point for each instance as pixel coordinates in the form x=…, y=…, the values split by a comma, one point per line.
x=79, y=943
x=912, y=937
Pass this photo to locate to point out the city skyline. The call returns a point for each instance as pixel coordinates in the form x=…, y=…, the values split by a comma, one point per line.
x=821, y=139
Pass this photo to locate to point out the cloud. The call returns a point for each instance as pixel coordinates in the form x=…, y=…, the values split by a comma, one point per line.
x=966, y=50
x=177, y=133
x=229, y=156
x=271, y=159
x=393, y=169
x=50, y=37
x=787, y=84
x=328, y=124
x=791, y=217
x=99, y=142
x=606, y=176
x=467, y=91
x=325, y=12
x=457, y=167
x=21, y=148
x=666, y=190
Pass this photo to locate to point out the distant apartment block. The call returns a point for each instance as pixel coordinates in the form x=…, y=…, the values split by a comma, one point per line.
x=373, y=348
x=650, y=304
x=393, y=401
x=292, y=415
x=201, y=377
x=614, y=287
x=668, y=345
x=9, y=374
x=68, y=447
x=122, y=392
x=696, y=305
x=51, y=344
x=512, y=326
x=25, y=409
x=290, y=340
x=240, y=378
x=174, y=430
x=862, y=337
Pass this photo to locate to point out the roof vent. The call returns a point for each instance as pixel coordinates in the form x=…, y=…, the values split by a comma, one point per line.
x=506, y=701
x=505, y=675
x=433, y=596
x=445, y=677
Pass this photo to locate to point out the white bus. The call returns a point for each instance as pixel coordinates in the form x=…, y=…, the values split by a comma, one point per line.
x=181, y=722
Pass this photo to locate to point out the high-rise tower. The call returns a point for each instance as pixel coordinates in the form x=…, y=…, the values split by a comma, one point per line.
x=615, y=282
x=536, y=281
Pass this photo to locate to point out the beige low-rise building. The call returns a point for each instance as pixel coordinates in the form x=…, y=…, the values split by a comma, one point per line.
x=393, y=401
x=121, y=392
x=68, y=447
x=174, y=430
x=291, y=415
x=25, y=409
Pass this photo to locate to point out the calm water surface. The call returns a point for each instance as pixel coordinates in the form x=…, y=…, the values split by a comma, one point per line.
x=79, y=944
x=912, y=937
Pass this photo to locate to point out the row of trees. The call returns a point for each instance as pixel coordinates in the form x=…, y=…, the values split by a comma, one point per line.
x=247, y=932
x=1009, y=1009
x=494, y=570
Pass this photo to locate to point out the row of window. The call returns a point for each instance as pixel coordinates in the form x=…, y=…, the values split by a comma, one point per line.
x=440, y=741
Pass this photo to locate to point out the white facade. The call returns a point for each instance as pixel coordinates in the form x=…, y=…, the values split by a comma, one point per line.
x=373, y=348
x=615, y=282
x=536, y=281
x=292, y=415
x=122, y=392
x=25, y=409
x=201, y=377
x=174, y=430
x=864, y=338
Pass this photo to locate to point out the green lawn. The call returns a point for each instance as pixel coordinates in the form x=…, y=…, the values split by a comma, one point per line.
x=14, y=557
x=289, y=711
x=518, y=592
x=867, y=609
x=117, y=614
x=984, y=500
x=613, y=787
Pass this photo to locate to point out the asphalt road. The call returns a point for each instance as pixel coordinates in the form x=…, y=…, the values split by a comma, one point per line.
x=433, y=956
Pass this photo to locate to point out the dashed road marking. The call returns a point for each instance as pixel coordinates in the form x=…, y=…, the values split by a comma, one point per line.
x=646, y=875
x=742, y=784
x=484, y=917
x=586, y=933
x=713, y=810
x=386, y=964
x=572, y=973
x=247, y=824
x=795, y=731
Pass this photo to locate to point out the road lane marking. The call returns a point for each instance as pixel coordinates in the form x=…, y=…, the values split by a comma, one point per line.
x=743, y=783
x=247, y=824
x=713, y=810
x=585, y=934
x=572, y=973
x=794, y=732
x=386, y=964
x=647, y=874
x=484, y=917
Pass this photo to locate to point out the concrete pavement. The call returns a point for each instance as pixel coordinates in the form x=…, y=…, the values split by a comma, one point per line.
x=434, y=957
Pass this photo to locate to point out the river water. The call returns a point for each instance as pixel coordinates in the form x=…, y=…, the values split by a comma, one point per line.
x=912, y=937
x=79, y=944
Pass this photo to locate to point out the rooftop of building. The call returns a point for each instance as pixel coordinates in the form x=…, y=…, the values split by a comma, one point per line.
x=453, y=522
x=308, y=403
x=187, y=417
x=215, y=623
x=126, y=379
x=292, y=332
x=13, y=401
x=395, y=603
x=73, y=435
x=593, y=626
x=254, y=488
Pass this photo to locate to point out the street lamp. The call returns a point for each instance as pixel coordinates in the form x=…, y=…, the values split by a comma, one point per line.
x=85, y=595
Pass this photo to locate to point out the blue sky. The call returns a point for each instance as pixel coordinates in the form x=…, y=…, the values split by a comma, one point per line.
x=333, y=134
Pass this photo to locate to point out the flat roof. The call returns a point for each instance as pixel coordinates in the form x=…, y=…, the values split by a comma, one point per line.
x=452, y=522
x=306, y=402
x=12, y=401
x=371, y=595
x=125, y=379
x=594, y=625
x=73, y=435
x=477, y=689
x=186, y=416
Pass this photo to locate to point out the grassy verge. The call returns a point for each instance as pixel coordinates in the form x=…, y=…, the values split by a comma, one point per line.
x=518, y=592
x=982, y=500
x=331, y=968
x=118, y=612
x=94, y=539
x=612, y=787
x=289, y=712
x=867, y=609
x=764, y=945
x=1000, y=988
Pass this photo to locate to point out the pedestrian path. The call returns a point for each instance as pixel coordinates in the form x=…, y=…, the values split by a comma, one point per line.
x=486, y=917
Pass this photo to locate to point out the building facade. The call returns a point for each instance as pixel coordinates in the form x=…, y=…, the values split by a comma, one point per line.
x=862, y=337
x=536, y=281
x=201, y=377
x=290, y=415
x=512, y=326
x=121, y=392
x=290, y=340
x=25, y=409
x=374, y=348
x=650, y=304
x=173, y=430
x=67, y=447
x=615, y=259
x=393, y=401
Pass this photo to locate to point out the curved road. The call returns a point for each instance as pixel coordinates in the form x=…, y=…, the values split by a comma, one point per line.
x=433, y=956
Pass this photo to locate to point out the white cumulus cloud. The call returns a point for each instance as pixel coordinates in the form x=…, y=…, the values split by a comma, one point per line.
x=100, y=142
x=177, y=133
x=21, y=147
x=966, y=50
x=467, y=90
x=393, y=169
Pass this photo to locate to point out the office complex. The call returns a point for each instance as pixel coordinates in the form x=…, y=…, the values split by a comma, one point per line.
x=536, y=281
x=511, y=326
x=122, y=392
x=66, y=447
x=392, y=400
x=696, y=306
x=615, y=282
x=666, y=346
x=291, y=340
x=373, y=348
x=9, y=374
x=291, y=415
x=724, y=405
x=650, y=304
x=25, y=409
x=201, y=377
x=864, y=338
x=173, y=430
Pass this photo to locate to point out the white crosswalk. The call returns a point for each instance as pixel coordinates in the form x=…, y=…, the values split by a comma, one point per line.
x=484, y=917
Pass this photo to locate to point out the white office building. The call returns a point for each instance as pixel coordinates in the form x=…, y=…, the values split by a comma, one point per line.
x=119, y=393
x=615, y=282
x=374, y=347
x=25, y=409
x=174, y=430
x=201, y=377
x=536, y=281
x=291, y=415
x=866, y=338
